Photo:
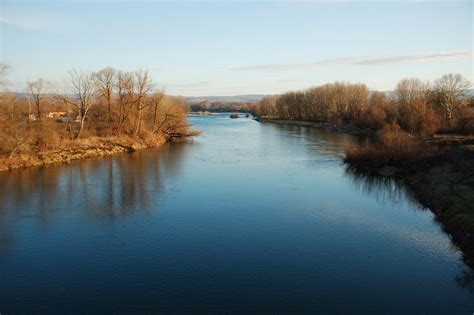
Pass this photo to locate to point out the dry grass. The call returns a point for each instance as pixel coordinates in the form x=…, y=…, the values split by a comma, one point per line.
x=78, y=149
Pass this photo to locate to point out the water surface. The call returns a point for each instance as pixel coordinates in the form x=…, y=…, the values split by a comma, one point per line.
x=249, y=217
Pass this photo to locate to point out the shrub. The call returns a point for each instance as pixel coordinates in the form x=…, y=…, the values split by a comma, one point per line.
x=418, y=117
x=373, y=117
x=393, y=146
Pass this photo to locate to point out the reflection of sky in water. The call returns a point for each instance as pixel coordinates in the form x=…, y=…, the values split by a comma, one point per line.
x=247, y=217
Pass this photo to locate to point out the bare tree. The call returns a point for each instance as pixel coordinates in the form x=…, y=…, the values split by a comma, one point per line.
x=143, y=87
x=9, y=100
x=412, y=103
x=449, y=90
x=125, y=91
x=35, y=88
x=171, y=123
x=155, y=101
x=105, y=81
x=84, y=93
x=411, y=90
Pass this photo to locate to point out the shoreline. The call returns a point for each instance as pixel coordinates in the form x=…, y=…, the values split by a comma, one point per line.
x=445, y=185
x=333, y=127
x=78, y=150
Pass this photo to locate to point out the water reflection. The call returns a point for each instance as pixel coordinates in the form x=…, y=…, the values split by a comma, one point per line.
x=103, y=189
x=383, y=188
x=317, y=141
x=386, y=189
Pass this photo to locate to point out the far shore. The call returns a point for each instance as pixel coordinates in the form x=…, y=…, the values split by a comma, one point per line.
x=337, y=127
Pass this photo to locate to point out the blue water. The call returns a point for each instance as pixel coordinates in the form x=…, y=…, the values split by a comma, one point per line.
x=247, y=218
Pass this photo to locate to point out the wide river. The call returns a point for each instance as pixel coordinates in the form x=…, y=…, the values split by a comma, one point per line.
x=248, y=217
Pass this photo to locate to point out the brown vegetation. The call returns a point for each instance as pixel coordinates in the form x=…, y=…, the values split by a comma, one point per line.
x=393, y=146
x=402, y=121
x=97, y=113
x=417, y=107
x=206, y=106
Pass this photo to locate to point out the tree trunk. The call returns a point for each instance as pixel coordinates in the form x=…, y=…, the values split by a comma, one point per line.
x=109, y=105
x=38, y=110
x=139, y=120
x=83, y=119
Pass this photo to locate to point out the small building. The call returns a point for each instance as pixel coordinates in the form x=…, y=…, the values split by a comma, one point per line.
x=32, y=117
x=56, y=115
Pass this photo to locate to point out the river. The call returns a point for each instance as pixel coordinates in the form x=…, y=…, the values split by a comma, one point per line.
x=248, y=217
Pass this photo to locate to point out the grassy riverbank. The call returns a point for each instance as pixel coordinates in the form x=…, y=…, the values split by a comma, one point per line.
x=79, y=149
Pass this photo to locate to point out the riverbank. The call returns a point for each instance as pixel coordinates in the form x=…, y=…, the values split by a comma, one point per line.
x=444, y=183
x=348, y=128
x=79, y=149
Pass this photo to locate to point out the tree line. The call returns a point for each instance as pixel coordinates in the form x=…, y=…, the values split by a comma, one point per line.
x=204, y=106
x=106, y=103
x=418, y=107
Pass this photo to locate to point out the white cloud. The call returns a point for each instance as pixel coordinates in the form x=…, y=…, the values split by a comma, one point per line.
x=358, y=60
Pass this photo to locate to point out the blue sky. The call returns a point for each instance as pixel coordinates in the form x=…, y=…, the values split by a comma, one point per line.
x=239, y=47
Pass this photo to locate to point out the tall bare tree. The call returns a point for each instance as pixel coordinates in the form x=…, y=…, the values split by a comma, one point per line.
x=125, y=91
x=143, y=87
x=105, y=81
x=35, y=88
x=449, y=90
x=84, y=93
x=411, y=90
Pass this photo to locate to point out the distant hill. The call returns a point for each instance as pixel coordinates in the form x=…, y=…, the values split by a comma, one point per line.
x=225, y=99
x=237, y=98
x=256, y=98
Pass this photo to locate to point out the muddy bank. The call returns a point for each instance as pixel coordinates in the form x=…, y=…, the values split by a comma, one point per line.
x=77, y=150
x=443, y=183
x=348, y=128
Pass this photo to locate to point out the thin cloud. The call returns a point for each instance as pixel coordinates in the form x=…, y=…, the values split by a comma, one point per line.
x=416, y=58
x=24, y=23
x=357, y=60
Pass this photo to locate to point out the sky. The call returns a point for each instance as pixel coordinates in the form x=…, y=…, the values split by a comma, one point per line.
x=198, y=48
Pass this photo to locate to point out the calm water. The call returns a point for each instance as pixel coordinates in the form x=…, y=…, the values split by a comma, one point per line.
x=247, y=218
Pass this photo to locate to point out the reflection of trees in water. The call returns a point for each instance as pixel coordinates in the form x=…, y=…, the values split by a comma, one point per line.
x=27, y=193
x=385, y=189
x=319, y=141
x=388, y=189
x=133, y=183
x=101, y=188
